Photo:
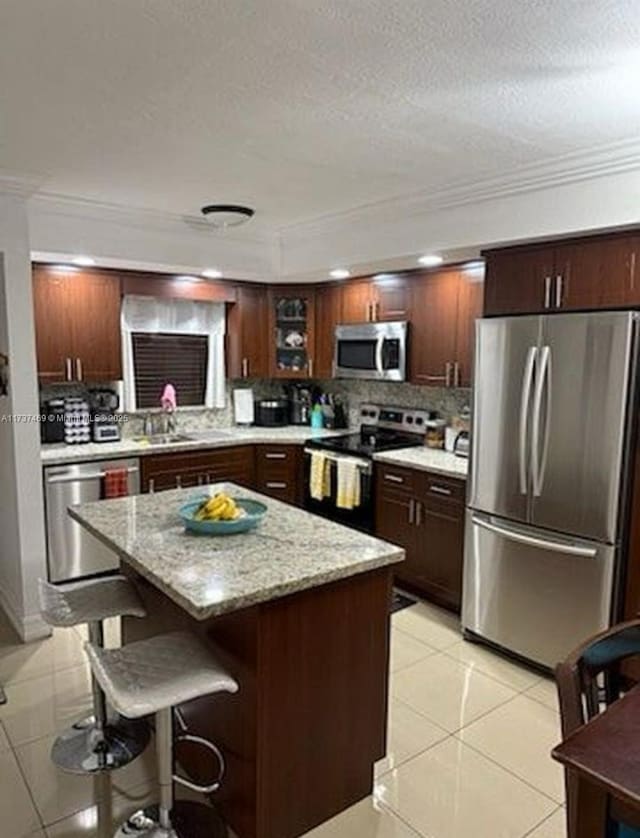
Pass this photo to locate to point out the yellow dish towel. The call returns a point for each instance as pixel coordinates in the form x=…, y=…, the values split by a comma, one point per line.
x=348, y=485
x=319, y=477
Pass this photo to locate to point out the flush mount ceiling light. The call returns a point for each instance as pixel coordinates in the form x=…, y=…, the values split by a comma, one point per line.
x=339, y=273
x=212, y=273
x=227, y=215
x=83, y=261
x=431, y=260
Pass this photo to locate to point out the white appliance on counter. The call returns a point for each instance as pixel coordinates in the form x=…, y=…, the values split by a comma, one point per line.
x=72, y=552
x=376, y=351
x=547, y=517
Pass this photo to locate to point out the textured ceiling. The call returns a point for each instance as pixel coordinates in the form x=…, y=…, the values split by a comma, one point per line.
x=302, y=108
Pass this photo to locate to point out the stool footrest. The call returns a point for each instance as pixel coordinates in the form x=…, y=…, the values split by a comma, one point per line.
x=205, y=743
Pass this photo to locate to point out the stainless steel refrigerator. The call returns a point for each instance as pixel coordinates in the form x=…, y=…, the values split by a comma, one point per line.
x=554, y=408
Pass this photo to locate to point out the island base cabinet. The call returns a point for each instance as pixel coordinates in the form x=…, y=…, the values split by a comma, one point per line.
x=308, y=723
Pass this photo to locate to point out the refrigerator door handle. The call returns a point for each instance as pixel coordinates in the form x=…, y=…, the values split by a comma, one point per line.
x=534, y=541
x=543, y=384
x=525, y=398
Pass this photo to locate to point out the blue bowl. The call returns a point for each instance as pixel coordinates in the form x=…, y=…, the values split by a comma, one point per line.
x=253, y=509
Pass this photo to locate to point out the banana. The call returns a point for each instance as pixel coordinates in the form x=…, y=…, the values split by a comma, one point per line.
x=220, y=507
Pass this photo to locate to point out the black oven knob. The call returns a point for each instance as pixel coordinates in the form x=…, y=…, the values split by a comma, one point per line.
x=409, y=420
x=419, y=420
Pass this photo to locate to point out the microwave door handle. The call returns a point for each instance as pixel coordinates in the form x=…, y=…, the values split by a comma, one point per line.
x=525, y=399
x=379, y=348
x=539, y=459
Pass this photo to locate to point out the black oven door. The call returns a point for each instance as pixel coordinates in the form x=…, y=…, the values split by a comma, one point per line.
x=361, y=518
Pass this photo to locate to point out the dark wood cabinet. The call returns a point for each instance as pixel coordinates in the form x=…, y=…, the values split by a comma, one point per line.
x=292, y=332
x=577, y=274
x=279, y=472
x=248, y=333
x=470, y=301
x=328, y=315
x=385, y=297
x=424, y=514
x=77, y=324
x=171, y=471
x=434, y=318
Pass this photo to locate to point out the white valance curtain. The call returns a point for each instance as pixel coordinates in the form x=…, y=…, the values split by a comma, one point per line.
x=183, y=317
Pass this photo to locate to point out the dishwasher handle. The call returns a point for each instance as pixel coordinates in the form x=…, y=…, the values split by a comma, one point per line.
x=83, y=478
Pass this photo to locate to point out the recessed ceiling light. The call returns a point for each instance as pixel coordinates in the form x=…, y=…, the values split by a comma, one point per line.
x=83, y=261
x=188, y=278
x=474, y=265
x=431, y=260
x=227, y=215
x=212, y=273
x=339, y=273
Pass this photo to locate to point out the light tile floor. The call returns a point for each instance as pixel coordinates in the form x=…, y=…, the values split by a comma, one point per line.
x=468, y=756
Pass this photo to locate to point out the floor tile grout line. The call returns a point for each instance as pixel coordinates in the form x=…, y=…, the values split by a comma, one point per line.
x=542, y=822
x=419, y=753
x=28, y=787
x=387, y=807
x=9, y=684
x=489, y=674
x=509, y=771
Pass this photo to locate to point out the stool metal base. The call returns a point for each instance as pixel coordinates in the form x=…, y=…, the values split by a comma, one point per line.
x=82, y=750
x=189, y=820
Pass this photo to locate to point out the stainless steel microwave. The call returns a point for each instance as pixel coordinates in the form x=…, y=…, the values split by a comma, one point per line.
x=375, y=351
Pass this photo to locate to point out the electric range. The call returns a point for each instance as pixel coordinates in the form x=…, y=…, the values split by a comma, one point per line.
x=382, y=428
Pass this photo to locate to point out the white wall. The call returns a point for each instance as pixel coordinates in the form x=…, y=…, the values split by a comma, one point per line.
x=22, y=538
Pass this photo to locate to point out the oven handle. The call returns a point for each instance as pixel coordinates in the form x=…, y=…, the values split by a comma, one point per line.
x=83, y=478
x=365, y=465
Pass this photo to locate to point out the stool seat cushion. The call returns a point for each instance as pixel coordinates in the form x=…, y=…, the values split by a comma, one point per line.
x=88, y=602
x=163, y=671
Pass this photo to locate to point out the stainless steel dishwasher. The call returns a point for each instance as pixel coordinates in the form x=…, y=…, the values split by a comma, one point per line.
x=72, y=552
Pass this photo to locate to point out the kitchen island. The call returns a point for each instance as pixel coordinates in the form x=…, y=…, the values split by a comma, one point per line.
x=298, y=611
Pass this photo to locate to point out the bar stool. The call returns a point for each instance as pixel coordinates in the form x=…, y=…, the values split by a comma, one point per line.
x=155, y=676
x=96, y=744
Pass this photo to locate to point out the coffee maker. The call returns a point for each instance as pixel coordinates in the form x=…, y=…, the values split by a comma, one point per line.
x=301, y=402
x=104, y=424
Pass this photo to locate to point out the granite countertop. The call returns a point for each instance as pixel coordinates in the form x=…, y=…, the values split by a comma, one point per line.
x=59, y=453
x=291, y=550
x=427, y=459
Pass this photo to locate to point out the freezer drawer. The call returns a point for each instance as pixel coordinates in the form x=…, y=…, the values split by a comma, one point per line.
x=534, y=592
x=72, y=552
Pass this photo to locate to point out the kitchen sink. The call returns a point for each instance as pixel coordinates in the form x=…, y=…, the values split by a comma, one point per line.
x=165, y=439
x=209, y=435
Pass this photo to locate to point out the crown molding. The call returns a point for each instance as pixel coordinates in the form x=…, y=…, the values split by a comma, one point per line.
x=598, y=161
x=19, y=184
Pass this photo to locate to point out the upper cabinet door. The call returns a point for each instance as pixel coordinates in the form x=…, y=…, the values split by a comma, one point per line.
x=94, y=301
x=357, y=301
x=434, y=307
x=470, y=299
x=391, y=298
x=53, y=323
x=597, y=273
x=519, y=281
x=292, y=320
x=328, y=315
x=248, y=339
x=77, y=323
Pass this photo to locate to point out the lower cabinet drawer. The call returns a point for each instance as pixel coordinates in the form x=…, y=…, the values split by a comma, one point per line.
x=284, y=490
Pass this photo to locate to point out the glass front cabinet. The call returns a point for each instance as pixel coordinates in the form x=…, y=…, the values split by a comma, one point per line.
x=292, y=314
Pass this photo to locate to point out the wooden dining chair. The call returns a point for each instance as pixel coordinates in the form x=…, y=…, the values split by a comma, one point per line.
x=588, y=681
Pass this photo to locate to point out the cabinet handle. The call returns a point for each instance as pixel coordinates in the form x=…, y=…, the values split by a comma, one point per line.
x=547, y=292
x=375, y=310
x=78, y=369
x=275, y=456
x=200, y=479
x=151, y=485
x=68, y=371
x=412, y=510
x=456, y=374
x=440, y=490
x=367, y=315
x=310, y=367
x=245, y=368
x=418, y=514
x=447, y=374
x=393, y=478
x=179, y=481
x=559, y=284
x=275, y=484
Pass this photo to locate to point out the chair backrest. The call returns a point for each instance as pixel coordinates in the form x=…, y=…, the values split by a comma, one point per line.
x=588, y=681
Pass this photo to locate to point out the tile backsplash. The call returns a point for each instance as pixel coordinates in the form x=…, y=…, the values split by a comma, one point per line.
x=447, y=401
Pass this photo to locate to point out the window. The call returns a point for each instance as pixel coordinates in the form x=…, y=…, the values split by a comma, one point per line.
x=160, y=359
